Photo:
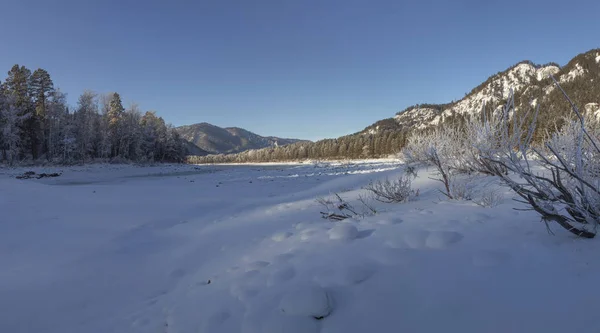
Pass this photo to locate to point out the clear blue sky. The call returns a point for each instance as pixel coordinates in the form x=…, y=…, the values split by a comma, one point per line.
x=293, y=68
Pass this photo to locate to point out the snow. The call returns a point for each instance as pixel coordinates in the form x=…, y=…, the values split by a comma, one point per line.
x=534, y=102
x=545, y=72
x=307, y=301
x=572, y=74
x=593, y=109
x=112, y=248
x=598, y=57
x=343, y=231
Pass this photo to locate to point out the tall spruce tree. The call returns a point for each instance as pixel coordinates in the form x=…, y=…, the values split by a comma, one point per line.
x=17, y=88
x=115, y=120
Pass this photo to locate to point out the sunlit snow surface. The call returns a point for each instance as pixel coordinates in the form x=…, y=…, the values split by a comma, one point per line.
x=215, y=249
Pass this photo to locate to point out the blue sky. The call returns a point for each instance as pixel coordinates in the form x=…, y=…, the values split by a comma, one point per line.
x=292, y=68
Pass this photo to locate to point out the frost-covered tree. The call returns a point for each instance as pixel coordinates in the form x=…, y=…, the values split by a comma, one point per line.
x=130, y=133
x=11, y=120
x=154, y=136
x=56, y=117
x=35, y=121
x=103, y=134
x=174, y=149
x=84, y=120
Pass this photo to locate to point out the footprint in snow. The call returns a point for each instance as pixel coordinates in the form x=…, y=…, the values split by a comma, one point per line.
x=365, y=233
x=416, y=239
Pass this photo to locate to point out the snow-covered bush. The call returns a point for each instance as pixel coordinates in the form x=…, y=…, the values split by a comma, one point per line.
x=392, y=191
x=567, y=191
x=461, y=189
x=481, y=133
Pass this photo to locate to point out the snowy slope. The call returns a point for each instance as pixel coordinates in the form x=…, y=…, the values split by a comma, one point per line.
x=530, y=84
x=243, y=249
x=492, y=92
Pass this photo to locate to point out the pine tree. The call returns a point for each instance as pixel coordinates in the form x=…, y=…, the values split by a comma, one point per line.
x=41, y=88
x=17, y=89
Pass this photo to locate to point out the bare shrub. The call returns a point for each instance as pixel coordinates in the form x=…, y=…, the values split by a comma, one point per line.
x=410, y=170
x=567, y=192
x=461, y=189
x=338, y=209
x=392, y=191
x=490, y=198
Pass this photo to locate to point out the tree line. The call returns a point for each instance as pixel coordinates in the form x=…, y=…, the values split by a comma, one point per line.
x=360, y=145
x=37, y=125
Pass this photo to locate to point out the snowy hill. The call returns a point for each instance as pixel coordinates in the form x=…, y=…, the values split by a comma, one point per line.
x=217, y=140
x=531, y=85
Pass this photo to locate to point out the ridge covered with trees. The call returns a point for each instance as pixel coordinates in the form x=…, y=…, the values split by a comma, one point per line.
x=37, y=125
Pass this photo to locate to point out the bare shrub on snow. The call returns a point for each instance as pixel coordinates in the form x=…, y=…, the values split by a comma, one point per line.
x=461, y=189
x=568, y=191
x=338, y=209
x=490, y=198
x=392, y=191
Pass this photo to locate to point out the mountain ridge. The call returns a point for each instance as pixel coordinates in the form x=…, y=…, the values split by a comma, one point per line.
x=530, y=82
x=213, y=139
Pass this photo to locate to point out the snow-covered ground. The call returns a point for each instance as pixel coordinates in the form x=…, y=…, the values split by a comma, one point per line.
x=243, y=249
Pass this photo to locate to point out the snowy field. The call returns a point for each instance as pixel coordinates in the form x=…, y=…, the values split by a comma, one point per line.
x=231, y=249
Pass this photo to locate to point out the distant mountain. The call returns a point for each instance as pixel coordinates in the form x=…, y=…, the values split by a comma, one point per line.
x=532, y=87
x=211, y=139
x=193, y=150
